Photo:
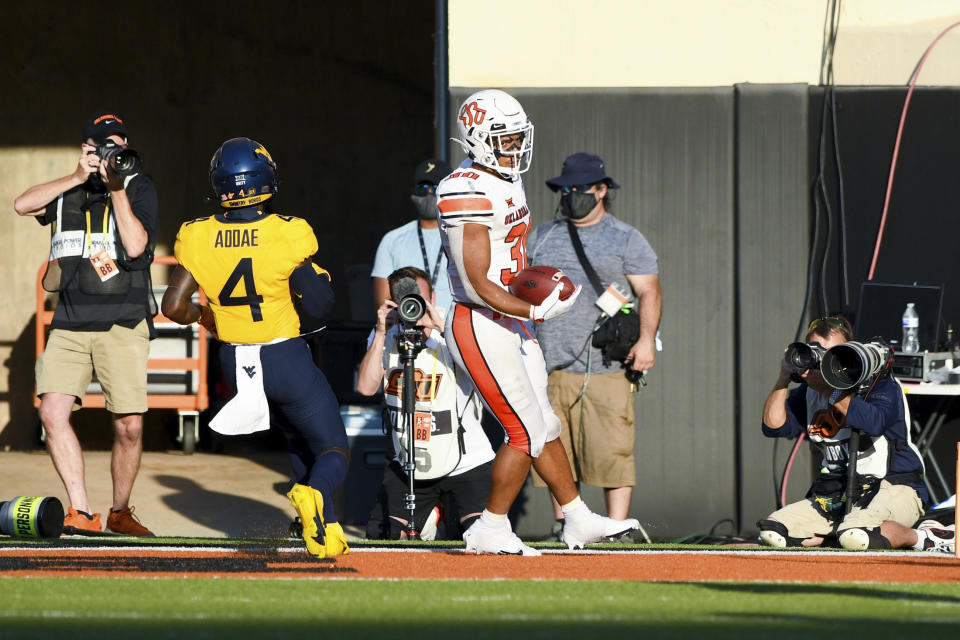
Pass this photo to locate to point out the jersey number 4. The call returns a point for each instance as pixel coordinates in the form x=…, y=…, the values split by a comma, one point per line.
x=243, y=271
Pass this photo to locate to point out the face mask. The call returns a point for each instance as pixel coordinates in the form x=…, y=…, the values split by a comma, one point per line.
x=426, y=206
x=575, y=205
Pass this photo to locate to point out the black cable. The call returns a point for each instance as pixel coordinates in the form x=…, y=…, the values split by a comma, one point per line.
x=831, y=24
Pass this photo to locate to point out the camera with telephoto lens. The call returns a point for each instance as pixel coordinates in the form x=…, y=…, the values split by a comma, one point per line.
x=410, y=304
x=855, y=364
x=411, y=308
x=123, y=161
x=802, y=356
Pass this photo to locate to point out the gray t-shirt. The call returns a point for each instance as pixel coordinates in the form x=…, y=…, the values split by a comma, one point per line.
x=615, y=250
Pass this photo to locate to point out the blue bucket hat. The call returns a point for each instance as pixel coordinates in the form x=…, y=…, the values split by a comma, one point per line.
x=581, y=168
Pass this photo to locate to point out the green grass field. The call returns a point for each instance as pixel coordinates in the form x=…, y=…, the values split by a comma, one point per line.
x=75, y=608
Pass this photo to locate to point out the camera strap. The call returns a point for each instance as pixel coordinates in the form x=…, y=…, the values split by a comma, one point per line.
x=426, y=260
x=582, y=257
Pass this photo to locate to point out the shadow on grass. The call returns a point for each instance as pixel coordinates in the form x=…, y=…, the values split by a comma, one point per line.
x=232, y=515
x=824, y=590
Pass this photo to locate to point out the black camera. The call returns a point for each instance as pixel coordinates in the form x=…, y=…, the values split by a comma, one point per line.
x=411, y=308
x=123, y=161
x=801, y=356
x=410, y=304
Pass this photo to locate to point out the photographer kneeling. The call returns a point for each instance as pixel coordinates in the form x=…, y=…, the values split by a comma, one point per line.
x=452, y=457
x=889, y=477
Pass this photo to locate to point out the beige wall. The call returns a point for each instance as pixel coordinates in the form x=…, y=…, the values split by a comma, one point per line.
x=690, y=43
x=27, y=244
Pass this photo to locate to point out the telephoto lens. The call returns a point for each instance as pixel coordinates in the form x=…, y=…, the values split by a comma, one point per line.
x=800, y=356
x=853, y=364
x=31, y=517
x=411, y=308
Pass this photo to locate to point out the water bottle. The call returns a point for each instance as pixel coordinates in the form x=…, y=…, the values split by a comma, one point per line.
x=911, y=325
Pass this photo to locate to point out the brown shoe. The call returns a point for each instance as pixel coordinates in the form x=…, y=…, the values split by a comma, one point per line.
x=80, y=521
x=127, y=524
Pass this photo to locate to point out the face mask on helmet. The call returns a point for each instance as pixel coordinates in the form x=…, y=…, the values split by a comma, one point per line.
x=576, y=205
x=495, y=132
x=426, y=206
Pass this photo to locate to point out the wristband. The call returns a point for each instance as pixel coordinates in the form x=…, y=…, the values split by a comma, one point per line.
x=836, y=396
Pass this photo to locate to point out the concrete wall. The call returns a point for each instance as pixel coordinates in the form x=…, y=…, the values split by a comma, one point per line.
x=695, y=43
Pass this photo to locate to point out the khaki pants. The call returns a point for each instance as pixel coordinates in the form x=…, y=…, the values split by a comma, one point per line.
x=600, y=453
x=119, y=357
x=897, y=502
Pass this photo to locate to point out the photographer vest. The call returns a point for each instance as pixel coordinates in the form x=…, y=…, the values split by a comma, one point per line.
x=83, y=224
x=832, y=437
x=455, y=442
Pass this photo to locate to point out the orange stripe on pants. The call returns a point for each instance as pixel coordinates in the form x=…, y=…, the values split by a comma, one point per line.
x=484, y=380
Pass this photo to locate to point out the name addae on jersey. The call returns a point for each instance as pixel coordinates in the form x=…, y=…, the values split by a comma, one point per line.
x=244, y=268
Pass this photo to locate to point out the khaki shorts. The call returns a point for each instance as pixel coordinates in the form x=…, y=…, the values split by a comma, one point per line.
x=897, y=502
x=119, y=357
x=600, y=454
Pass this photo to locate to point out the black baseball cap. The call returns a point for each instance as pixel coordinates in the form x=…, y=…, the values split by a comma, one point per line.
x=432, y=171
x=581, y=168
x=103, y=124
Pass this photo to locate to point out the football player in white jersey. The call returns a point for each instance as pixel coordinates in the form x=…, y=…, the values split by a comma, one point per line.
x=484, y=221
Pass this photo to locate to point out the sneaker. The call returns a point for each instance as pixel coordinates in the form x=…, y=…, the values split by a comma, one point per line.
x=429, y=531
x=127, y=524
x=585, y=528
x=80, y=521
x=336, y=540
x=497, y=537
x=309, y=505
x=938, y=539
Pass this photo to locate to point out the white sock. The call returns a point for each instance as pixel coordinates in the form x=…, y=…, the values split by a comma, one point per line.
x=921, y=538
x=493, y=517
x=573, y=508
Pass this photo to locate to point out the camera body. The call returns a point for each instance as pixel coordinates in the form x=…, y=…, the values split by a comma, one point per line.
x=123, y=161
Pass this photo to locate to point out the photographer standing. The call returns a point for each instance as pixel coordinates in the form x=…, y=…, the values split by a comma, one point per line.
x=102, y=216
x=588, y=391
x=889, y=477
x=453, y=458
x=417, y=241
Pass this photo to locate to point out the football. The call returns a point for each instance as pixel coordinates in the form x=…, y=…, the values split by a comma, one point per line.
x=533, y=284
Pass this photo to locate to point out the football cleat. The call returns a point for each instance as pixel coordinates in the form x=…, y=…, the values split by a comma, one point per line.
x=495, y=537
x=336, y=540
x=581, y=529
x=309, y=506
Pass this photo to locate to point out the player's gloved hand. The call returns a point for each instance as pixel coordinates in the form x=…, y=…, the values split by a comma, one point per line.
x=552, y=306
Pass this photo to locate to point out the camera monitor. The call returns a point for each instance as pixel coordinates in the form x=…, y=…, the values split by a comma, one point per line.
x=881, y=307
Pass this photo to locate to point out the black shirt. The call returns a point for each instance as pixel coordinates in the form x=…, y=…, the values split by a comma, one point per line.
x=83, y=307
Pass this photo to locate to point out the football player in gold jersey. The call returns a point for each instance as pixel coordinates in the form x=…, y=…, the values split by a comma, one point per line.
x=250, y=262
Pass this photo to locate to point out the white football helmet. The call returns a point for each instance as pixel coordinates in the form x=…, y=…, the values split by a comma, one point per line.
x=484, y=119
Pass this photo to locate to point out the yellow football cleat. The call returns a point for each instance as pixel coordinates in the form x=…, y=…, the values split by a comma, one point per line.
x=336, y=540
x=309, y=505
